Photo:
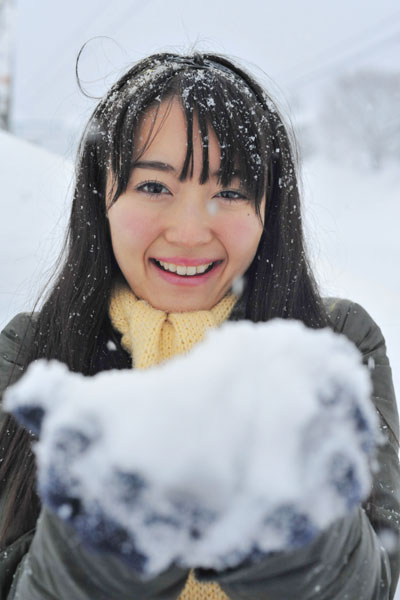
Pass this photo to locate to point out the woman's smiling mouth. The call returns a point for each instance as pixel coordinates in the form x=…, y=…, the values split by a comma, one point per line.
x=179, y=267
x=195, y=271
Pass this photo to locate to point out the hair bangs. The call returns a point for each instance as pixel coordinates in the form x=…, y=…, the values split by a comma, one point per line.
x=119, y=115
x=234, y=115
x=218, y=99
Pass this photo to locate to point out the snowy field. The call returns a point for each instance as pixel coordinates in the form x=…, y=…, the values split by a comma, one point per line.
x=352, y=219
x=34, y=191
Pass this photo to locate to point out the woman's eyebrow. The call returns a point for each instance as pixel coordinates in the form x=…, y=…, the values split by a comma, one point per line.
x=163, y=166
x=153, y=164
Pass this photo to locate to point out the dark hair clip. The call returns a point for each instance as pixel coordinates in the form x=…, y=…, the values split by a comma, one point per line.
x=199, y=62
x=213, y=64
x=195, y=63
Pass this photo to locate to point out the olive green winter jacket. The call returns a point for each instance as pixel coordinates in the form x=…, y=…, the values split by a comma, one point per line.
x=347, y=561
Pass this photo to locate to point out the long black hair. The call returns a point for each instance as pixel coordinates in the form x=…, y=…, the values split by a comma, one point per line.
x=73, y=324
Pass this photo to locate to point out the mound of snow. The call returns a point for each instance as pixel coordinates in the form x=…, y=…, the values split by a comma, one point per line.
x=352, y=225
x=34, y=208
x=212, y=456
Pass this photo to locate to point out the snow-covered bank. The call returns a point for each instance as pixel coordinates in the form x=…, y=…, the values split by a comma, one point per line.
x=34, y=207
x=353, y=223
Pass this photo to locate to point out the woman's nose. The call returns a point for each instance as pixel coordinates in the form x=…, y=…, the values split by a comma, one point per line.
x=189, y=224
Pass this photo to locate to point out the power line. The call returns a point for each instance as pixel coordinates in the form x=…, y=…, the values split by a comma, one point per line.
x=324, y=70
x=122, y=19
x=55, y=67
x=79, y=31
x=332, y=51
x=58, y=68
x=338, y=46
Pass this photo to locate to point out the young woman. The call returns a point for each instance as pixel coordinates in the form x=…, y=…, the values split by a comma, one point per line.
x=185, y=188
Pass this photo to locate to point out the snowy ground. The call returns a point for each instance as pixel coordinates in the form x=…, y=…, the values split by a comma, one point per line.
x=352, y=220
x=34, y=190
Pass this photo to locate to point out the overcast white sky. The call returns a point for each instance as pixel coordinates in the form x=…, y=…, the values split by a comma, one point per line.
x=300, y=44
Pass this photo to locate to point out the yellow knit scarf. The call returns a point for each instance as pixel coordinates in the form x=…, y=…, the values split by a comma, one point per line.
x=152, y=336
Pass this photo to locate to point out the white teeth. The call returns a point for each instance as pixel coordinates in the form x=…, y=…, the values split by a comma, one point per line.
x=183, y=270
x=202, y=268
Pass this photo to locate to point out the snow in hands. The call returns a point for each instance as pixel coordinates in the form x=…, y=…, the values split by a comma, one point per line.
x=254, y=442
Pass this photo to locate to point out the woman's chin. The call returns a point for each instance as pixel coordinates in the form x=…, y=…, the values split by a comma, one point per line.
x=181, y=306
x=183, y=302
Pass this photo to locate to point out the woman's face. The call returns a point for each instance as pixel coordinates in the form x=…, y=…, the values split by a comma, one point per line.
x=180, y=244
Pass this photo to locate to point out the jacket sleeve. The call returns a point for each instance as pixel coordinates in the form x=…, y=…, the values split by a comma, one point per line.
x=58, y=566
x=12, y=357
x=348, y=560
x=50, y=562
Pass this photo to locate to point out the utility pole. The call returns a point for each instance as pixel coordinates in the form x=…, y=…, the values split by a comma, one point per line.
x=7, y=14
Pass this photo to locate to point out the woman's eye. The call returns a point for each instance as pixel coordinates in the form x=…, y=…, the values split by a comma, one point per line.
x=154, y=188
x=231, y=195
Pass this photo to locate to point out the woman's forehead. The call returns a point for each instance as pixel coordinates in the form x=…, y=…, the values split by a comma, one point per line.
x=163, y=136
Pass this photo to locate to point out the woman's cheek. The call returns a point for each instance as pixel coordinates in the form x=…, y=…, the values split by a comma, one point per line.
x=134, y=226
x=142, y=227
x=244, y=234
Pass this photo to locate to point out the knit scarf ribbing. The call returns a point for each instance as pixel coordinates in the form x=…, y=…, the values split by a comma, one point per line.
x=152, y=336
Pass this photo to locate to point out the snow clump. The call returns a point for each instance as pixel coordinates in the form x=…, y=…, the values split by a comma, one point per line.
x=254, y=442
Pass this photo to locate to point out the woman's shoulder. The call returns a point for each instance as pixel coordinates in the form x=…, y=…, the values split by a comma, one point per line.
x=18, y=332
x=15, y=339
x=19, y=326
x=352, y=320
